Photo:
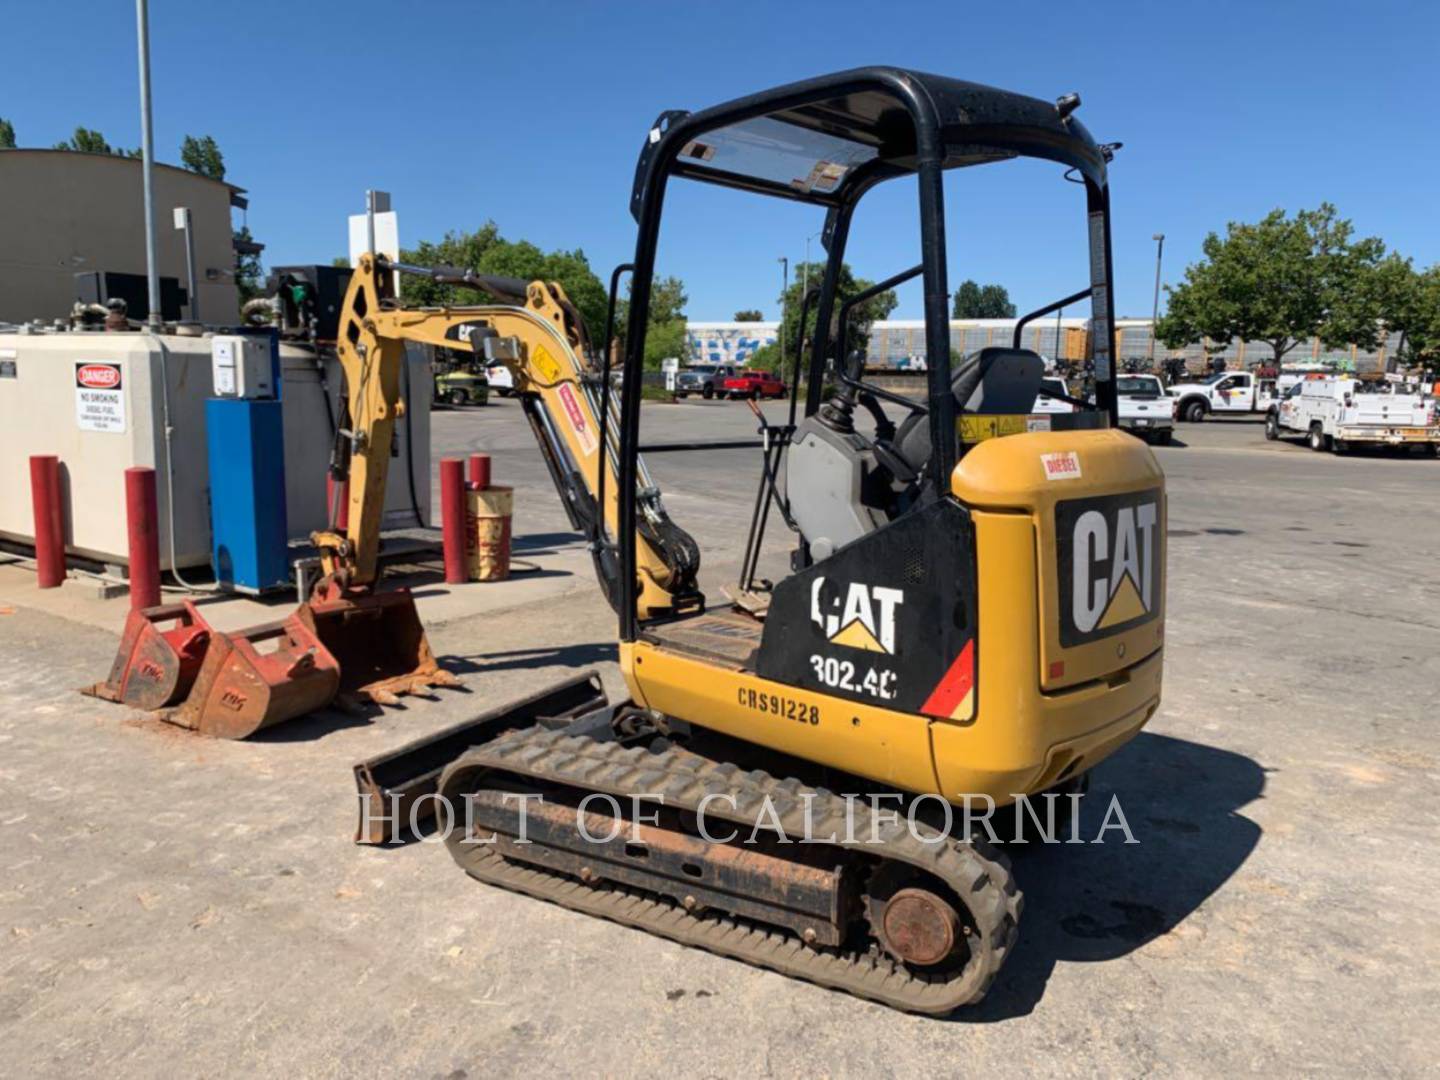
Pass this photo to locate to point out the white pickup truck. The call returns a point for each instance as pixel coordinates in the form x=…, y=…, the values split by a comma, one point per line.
x=1233, y=393
x=1338, y=413
x=1147, y=411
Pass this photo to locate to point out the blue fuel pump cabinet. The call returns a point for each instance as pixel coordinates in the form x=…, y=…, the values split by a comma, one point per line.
x=246, y=441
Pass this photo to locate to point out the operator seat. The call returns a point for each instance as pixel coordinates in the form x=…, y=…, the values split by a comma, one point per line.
x=992, y=381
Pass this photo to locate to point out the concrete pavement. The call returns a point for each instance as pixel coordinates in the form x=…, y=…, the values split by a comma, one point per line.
x=167, y=902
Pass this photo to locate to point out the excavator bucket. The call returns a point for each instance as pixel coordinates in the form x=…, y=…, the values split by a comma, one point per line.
x=257, y=678
x=160, y=654
x=378, y=642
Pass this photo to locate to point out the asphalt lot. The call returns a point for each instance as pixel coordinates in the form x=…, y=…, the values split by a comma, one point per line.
x=173, y=904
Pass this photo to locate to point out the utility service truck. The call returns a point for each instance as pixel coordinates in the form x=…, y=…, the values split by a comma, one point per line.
x=1234, y=393
x=1340, y=413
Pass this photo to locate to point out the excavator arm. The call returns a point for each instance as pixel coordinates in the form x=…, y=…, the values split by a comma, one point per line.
x=538, y=334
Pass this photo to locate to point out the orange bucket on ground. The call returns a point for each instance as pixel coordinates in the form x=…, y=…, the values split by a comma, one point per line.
x=487, y=532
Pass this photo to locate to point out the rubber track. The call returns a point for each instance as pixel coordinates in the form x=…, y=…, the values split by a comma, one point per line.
x=977, y=873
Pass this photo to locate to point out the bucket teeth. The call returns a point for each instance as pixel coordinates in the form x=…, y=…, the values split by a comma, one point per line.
x=378, y=642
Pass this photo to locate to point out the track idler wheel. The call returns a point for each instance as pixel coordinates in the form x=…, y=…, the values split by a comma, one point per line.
x=914, y=922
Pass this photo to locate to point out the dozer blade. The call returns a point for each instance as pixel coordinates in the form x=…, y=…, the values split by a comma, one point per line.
x=156, y=667
x=394, y=786
x=378, y=642
x=257, y=678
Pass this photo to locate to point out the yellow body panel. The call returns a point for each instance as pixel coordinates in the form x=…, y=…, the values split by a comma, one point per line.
x=1024, y=735
x=891, y=747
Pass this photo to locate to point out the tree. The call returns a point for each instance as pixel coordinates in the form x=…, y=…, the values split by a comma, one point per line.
x=1420, y=342
x=203, y=156
x=1409, y=304
x=486, y=252
x=664, y=341
x=1282, y=280
x=749, y=315
x=89, y=141
x=7, y=134
x=974, y=301
x=249, y=274
x=666, y=335
x=877, y=307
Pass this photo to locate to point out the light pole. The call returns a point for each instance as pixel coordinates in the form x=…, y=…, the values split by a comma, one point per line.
x=784, y=290
x=154, y=319
x=1159, y=239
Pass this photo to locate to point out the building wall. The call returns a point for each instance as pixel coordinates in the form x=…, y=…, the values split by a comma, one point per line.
x=63, y=212
x=899, y=344
x=729, y=342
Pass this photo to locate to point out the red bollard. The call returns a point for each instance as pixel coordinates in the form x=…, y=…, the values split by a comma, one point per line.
x=452, y=518
x=142, y=519
x=49, y=520
x=479, y=471
x=342, y=520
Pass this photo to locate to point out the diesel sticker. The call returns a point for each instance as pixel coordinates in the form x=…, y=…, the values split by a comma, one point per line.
x=1110, y=550
x=1063, y=466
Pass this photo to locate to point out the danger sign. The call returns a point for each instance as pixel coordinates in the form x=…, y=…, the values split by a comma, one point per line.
x=99, y=396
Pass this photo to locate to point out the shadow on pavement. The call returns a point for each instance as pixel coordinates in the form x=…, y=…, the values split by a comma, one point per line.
x=1098, y=902
x=575, y=656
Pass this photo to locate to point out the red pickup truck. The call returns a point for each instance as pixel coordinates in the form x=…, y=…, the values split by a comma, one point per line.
x=754, y=384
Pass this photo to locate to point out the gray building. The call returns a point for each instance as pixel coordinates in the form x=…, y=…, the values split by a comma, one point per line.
x=63, y=212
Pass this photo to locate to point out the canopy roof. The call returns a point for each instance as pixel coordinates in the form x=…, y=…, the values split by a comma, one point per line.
x=824, y=140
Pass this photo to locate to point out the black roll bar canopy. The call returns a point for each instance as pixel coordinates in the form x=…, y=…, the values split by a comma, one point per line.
x=855, y=129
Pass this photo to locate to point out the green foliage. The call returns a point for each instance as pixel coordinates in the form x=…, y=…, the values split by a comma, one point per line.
x=877, y=307
x=89, y=141
x=249, y=274
x=975, y=301
x=485, y=251
x=666, y=336
x=766, y=358
x=665, y=340
x=1282, y=280
x=1409, y=303
x=203, y=156
x=749, y=315
x=7, y=134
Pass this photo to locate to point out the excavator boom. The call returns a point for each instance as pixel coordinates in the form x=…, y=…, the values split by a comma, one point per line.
x=376, y=636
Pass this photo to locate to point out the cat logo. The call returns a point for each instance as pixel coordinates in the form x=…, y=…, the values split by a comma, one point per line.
x=864, y=618
x=1110, y=551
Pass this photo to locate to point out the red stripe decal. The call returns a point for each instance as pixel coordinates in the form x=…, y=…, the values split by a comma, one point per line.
x=958, y=682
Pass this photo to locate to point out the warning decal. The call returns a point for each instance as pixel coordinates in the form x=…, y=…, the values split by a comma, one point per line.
x=99, y=396
x=578, y=423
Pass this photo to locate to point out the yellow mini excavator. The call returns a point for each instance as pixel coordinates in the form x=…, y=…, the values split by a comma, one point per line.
x=974, y=609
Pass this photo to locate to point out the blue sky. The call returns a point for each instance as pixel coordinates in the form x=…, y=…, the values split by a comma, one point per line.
x=532, y=115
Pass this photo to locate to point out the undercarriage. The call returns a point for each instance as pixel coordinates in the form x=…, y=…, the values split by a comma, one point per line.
x=671, y=834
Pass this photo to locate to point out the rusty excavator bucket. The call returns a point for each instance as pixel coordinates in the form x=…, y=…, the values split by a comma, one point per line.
x=161, y=650
x=377, y=641
x=353, y=644
x=256, y=678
